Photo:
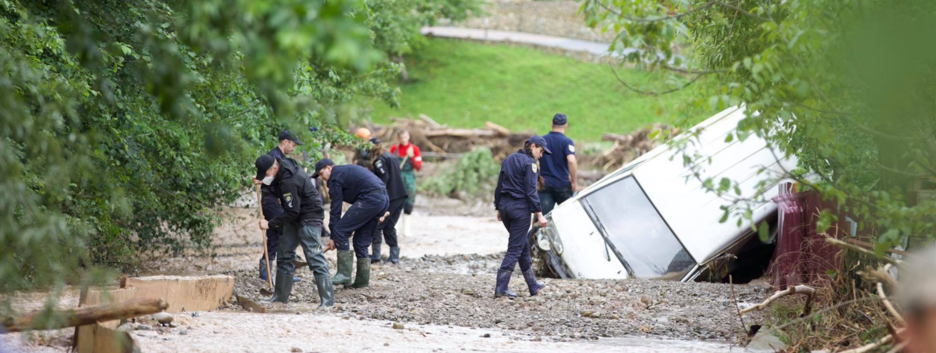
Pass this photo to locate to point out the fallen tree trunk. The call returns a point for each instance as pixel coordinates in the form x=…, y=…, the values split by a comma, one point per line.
x=497, y=128
x=807, y=290
x=88, y=315
x=467, y=133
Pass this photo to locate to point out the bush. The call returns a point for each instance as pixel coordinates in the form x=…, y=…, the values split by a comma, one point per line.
x=474, y=175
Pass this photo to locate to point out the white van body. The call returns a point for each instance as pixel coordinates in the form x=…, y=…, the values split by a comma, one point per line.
x=653, y=219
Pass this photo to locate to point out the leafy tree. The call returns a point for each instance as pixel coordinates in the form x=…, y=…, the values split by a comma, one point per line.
x=846, y=86
x=124, y=123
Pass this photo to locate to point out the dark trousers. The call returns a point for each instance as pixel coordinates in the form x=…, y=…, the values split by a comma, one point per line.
x=550, y=197
x=271, y=209
x=361, y=221
x=309, y=236
x=516, y=216
x=388, y=227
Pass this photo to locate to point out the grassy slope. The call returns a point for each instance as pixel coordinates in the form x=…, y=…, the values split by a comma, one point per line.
x=464, y=84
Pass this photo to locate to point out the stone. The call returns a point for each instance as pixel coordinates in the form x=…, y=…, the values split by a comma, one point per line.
x=765, y=341
x=645, y=300
x=183, y=332
x=142, y=327
x=162, y=317
x=295, y=350
x=125, y=327
x=195, y=314
x=398, y=326
x=486, y=335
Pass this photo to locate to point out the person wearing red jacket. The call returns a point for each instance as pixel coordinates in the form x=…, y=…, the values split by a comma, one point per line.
x=412, y=162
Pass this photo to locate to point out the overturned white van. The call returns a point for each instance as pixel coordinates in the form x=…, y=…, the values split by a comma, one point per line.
x=651, y=219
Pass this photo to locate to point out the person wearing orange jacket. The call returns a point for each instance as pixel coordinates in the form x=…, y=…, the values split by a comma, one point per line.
x=412, y=162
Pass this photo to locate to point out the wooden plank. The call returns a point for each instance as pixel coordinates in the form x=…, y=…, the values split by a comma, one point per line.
x=250, y=305
x=497, y=128
x=193, y=293
x=460, y=133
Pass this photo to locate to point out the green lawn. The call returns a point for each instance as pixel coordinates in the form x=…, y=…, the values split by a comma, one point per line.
x=464, y=84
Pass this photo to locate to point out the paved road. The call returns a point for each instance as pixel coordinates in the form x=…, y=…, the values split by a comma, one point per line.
x=569, y=44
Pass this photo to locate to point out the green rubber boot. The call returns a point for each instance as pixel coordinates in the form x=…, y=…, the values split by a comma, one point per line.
x=362, y=279
x=345, y=263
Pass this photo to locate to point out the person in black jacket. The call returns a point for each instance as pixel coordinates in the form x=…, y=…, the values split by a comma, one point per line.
x=515, y=198
x=301, y=221
x=368, y=198
x=270, y=202
x=387, y=167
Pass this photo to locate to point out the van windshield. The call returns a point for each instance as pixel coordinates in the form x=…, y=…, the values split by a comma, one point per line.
x=636, y=231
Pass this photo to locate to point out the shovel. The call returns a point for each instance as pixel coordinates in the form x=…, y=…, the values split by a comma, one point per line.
x=266, y=256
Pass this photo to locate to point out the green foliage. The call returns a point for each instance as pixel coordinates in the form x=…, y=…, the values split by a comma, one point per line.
x=473, y=176
x=465, y=84
x=124, y=124
x=846, y=86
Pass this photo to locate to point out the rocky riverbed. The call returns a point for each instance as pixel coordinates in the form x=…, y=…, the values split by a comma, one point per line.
x=457, y=291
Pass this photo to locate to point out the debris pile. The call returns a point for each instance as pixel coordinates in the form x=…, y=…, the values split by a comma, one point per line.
x=440, y=141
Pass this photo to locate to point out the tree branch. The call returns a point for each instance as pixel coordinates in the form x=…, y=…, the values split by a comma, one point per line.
x=651, y=93
x=810, y=292
x=655, y=19
x=859, y=249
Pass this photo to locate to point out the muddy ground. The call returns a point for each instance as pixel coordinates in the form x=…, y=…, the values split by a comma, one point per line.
x=441, y=294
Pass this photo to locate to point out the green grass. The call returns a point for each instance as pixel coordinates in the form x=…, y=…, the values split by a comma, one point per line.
x=463, y=84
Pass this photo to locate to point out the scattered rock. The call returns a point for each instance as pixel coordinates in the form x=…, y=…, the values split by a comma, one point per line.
x=142, y=327
x=183, y=332
x=125, y=327
x=162, y=317
x=486, y=335
x=195, y=314
x=295, y=350
x=398, y=326
x=765, y=341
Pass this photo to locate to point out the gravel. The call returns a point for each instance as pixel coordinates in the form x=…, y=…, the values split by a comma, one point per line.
x=458, y=291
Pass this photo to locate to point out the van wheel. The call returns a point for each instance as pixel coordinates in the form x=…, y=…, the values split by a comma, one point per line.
x=545, y=263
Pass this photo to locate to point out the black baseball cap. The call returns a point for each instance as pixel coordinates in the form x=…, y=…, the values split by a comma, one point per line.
x=264, y=163
x=540, y=141
x=287, y=135
x=321, y=164
x=560, y=119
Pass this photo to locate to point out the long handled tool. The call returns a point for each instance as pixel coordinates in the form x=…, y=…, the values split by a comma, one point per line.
x=266, y=256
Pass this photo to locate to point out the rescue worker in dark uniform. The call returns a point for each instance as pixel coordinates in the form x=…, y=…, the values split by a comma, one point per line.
x=301, y=222
x=386, y=166
x=560, y=170
x=368, y=198
x=515, y=199
x=270, y=202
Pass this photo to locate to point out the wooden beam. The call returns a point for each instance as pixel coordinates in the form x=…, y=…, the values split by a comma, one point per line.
x=467, y=133
x=87, y=315
x=428, y=120
x=497, y=128
x=250, y=305
x=192, y=293
x=98, y=338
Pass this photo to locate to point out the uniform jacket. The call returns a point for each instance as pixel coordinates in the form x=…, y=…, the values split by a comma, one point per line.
x=346, y=184
x=556, y=165
x=517, y=180
x=297, y=195
x=387, y=168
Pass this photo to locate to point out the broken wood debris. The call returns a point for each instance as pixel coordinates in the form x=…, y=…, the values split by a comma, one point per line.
x=185, y=293
x=810, y=292
x=87, y=315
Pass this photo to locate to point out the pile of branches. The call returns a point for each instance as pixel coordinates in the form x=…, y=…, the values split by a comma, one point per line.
x=628, y=147
x=439, y=140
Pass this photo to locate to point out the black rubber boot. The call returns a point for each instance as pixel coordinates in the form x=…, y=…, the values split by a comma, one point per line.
x=345, y=263
x=531, y=282
x=282, y=288
x=503, y=280
x=375, y=255
x=362, y=278
x=326, y=291
x=394, y=256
